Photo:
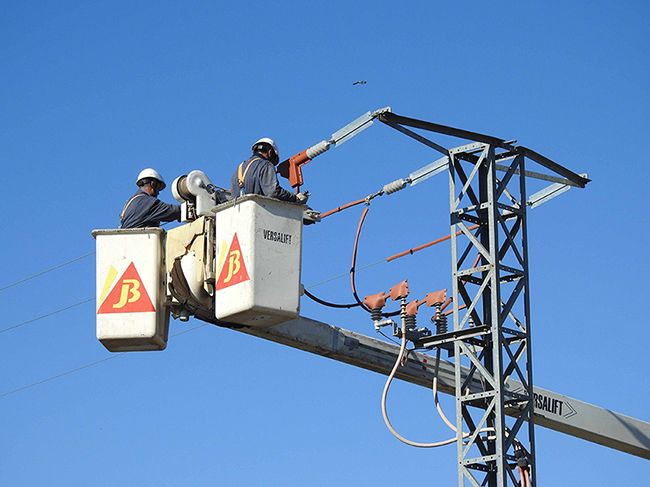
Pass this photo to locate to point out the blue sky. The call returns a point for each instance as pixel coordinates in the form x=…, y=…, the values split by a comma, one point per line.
x=93, y=92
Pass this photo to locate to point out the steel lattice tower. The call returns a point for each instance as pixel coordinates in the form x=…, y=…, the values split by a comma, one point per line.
x=490, y=278
x=491, y=335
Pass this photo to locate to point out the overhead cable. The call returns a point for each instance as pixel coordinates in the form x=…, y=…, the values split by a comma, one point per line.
x=331, y=305
x=345, y=274
x=311, y=296
x=89, y=365
x=421, y=247
x=354, y=260
x=353, y=269
x=341, y=208
x=385, y=394
x=61, y=375
x=399, y=184
x=53, y=268
x=398, y=363
x=365, y=200
x=44, y=272
x=46, y=315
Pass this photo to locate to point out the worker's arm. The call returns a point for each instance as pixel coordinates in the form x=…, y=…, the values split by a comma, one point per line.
x=164, y=212
x=270, y=185
x=147, y=211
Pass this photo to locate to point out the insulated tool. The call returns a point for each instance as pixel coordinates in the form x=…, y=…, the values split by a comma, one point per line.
x=291, y=168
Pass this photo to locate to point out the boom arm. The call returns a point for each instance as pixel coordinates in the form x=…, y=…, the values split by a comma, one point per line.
x=552, y=410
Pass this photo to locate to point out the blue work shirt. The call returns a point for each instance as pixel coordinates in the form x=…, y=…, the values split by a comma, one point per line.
x=260, y=179
x=144, y=210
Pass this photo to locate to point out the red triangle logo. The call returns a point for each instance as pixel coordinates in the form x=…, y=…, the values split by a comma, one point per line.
x=128, y=295
x=233, y=270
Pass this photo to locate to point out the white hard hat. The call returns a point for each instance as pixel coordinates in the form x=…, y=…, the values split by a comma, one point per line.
x=150, y=174
x=266, y=140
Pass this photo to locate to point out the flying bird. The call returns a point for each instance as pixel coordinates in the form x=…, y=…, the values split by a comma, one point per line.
x=359, y=83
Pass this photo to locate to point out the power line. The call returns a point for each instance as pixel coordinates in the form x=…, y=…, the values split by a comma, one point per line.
x=346, y=274
x=61, y=375
x=89, y=365
x=44, y=272
x=307, y=287
x=313, y=285
x=188, y=330
x=46, y=315
x=93, y=299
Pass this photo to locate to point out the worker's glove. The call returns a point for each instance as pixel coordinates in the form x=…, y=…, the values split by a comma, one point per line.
x=302, y=198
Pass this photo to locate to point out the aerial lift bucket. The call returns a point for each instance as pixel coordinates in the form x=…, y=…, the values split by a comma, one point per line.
x=131, y=315
x=258, y=255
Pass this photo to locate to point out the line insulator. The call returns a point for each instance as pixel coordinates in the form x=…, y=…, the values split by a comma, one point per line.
x=440, y=320
x=318, y=149
x=394, y=186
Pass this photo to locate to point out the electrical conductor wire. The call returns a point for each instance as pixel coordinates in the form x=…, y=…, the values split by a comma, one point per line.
x=331, y=305
x=354, y=259
x=119, y=354
x=48, y=314
x=45, y=272
x=385, y=394
x=399, y=363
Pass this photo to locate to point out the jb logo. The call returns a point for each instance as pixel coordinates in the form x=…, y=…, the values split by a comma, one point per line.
x=127, y=296
x=129, y=286
x=234, y=269
x=233, y=264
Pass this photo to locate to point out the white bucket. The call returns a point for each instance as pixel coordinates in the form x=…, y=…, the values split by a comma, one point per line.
x=258, y=258
x=131, y=289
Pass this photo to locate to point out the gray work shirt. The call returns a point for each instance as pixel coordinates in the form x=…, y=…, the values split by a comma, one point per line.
x=144, y=210
x=260, y=179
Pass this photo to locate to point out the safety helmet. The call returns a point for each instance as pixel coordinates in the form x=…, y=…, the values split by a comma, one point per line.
x=266, y=140
x=150, y=174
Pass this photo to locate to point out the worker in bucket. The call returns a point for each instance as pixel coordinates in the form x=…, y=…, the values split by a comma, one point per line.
x=144, y=209
x=256, y=175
